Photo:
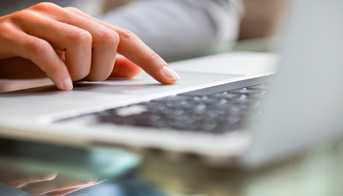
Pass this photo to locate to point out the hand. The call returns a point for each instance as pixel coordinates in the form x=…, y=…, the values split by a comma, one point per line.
x=68, y=45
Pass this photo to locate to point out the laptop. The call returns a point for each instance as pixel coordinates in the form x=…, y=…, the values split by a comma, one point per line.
x=227, y=109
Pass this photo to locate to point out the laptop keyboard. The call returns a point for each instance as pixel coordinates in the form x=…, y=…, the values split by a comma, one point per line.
x=219, y=112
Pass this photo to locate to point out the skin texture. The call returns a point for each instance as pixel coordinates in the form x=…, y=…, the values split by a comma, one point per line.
x=68, y=45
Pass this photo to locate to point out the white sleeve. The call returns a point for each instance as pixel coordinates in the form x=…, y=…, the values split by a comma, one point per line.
x=180, y=28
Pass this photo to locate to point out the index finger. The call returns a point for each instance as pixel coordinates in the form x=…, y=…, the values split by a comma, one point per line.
x=139, y=53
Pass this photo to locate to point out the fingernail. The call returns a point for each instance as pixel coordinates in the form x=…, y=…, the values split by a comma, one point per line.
x=169, y=74
x=67, y=84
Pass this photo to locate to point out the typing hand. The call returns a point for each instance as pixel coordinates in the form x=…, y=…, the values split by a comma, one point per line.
x=68, y=45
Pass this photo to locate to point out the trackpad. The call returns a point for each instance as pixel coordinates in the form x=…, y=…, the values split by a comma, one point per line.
x=144, y=85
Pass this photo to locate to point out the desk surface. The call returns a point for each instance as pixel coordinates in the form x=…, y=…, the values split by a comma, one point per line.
x=317, y=173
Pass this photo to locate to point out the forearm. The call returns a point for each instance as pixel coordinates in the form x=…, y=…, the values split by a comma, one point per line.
x=180, y=28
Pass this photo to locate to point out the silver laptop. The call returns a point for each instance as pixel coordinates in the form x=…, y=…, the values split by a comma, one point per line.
x=227, y=109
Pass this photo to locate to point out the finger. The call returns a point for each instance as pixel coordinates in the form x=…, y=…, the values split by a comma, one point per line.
x=124, y=68
x=105, y=41
x=41, y=53
x=139, y=53
x=76, y=42
x=134, y=49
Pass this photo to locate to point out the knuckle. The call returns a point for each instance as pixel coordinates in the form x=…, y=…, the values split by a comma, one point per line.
x=80, y=37
x=108, y=37
x=44, y=6
x=37, y=47
x=6, y=29
x=21, y=16
x=126, y=34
